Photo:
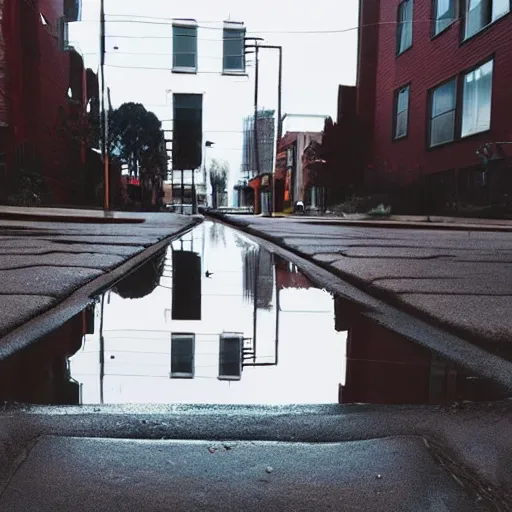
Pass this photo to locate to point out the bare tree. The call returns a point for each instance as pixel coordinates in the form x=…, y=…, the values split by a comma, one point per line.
x=219, y=173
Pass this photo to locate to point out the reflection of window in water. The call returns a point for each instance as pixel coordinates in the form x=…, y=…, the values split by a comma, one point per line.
x=258, y=277
x=230, y=356
x=182, y=356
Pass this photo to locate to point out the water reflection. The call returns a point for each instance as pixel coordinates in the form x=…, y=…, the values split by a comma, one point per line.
x=260, y=331
x=209, y=322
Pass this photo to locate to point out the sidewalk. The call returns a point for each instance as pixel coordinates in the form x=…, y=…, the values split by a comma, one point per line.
x=296, y=458
x=48, y=256
x=406, y=221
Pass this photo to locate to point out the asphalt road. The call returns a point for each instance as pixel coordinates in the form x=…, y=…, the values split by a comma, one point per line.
x=390, y=474
x=461, y=279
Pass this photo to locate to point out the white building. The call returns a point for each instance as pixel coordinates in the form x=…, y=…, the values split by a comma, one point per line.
x=208, y=60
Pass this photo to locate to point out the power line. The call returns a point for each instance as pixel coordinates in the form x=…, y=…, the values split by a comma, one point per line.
x=170, y=69
x=280, y=32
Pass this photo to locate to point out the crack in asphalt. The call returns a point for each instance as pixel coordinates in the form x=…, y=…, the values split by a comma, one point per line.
x=52, y=265
x=29, y=294
x=395, y=257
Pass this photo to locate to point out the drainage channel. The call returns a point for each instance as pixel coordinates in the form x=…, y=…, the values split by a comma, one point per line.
x=216, y=318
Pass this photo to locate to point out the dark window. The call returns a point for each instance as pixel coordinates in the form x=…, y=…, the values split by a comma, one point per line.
x=445, y=13
x=404, y=26
x=230, y=357
x=184, y=52
x=442, y=114
x=479, y=13
x=401, y=113
x=182, y=356
x=72, y=10
x=187, y=131
x=233, y=53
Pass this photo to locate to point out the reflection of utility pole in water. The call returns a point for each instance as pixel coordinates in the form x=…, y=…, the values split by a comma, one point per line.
x=102, y=349
x=278, y=307
x=255, y=311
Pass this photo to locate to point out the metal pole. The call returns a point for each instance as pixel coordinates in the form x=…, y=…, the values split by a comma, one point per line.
x=204, y=176
x=255, y=127
x=279, y=123
x=104, y=114
x=194, y=197
x=255, y=297
x=182, y=191
x=102, y=350
x=278, y=308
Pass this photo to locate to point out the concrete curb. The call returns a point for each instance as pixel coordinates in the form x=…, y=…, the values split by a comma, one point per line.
x=471, y=441
x=397, y=224
x=44, y=323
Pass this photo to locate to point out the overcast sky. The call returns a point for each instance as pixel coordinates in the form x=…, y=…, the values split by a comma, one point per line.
x=315, y=61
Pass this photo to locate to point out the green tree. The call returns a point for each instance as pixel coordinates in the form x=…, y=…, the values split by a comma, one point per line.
x=219, y=173
x=137, y=139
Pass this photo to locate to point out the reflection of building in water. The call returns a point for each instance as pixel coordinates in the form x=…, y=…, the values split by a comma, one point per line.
x=258, y=277
x=39, y=374
x=383, y=367
x=288, y=275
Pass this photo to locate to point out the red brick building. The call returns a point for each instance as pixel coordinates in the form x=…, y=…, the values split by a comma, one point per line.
x=432, y=89
x=44, y=93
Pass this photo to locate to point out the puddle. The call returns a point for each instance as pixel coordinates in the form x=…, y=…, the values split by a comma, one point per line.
x=216, y=319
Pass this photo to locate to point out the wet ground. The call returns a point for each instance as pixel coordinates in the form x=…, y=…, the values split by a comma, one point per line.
x=217, y=319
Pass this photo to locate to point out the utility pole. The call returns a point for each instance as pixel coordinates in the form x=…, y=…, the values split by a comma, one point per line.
x=279, y=114
x=256, y=86
x=104, y=113
x=255, y=126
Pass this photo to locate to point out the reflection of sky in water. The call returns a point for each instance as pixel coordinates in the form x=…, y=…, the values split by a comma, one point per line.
x=137, y=335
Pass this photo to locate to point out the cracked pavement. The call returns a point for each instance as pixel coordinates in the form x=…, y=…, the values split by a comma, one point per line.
x=44, y=261
x=461, y=279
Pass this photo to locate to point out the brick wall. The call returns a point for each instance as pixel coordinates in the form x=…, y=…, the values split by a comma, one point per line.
x=426, y=64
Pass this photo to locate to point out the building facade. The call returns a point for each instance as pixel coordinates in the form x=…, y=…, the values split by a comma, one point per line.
x=433, y=93
x=45, y=91
x=208, y=66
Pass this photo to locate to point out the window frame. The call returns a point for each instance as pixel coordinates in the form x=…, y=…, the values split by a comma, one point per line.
x=490, y=23
x=458, y=137
x=400, y=25
x=183, y=375
x=456, y=111
x=231, y=336
x=396, y=95
x=233, y=29
x=463, y=75
x=456, y=16
x=191, y=25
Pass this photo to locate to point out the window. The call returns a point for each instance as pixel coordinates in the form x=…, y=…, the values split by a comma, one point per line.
x=479, y=13
x=73, y=10
x=442, y=115
x=230, y=356
x=404, y=27
x=476, y=100
x=401, y=113
x=184, y=53
x=182, y=356
x=445, y=13
x=234, y=47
